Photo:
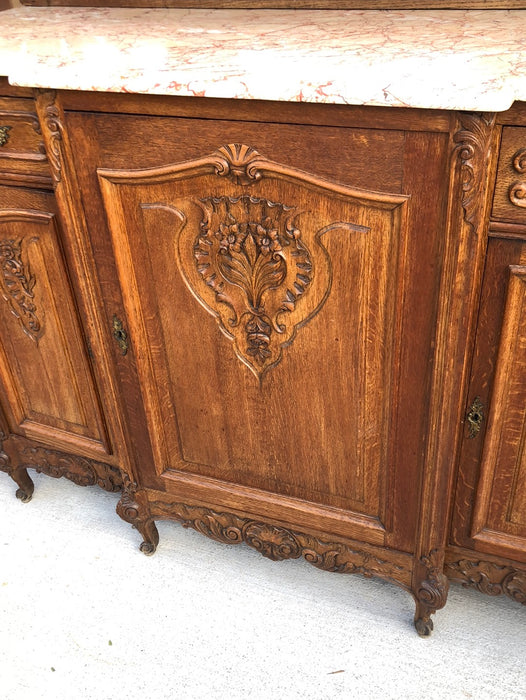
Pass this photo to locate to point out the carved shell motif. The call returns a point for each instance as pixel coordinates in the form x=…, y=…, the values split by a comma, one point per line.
x=250, y=253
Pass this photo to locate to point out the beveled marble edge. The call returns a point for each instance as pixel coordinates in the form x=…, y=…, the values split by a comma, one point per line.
x=443, y=59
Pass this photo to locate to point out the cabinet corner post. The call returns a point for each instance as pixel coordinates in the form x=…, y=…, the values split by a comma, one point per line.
x=473, y=160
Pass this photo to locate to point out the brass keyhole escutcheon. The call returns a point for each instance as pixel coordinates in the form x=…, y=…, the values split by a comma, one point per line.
x=120, y=334
x=475, y=418
x=4, y=134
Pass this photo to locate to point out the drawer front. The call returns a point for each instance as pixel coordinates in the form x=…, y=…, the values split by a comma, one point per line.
x=22, y=154
x=509, y=203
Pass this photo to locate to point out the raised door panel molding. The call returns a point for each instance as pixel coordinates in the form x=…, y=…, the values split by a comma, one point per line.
x=288, y=285
x=500, y=512
x=43, y=365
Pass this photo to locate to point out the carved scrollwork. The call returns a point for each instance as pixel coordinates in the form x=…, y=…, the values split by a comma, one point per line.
x=473, y=151
x=489, y=578
x=79, y=470
x=277, y=543
x=519, y=161
x=17, y=284
x=517, y=194
x=431, y=591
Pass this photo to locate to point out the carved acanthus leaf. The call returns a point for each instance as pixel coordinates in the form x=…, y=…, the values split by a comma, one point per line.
x=473, y=150
x=17, y=284
x=277, y=543
x=489, y=578
x=53, y=128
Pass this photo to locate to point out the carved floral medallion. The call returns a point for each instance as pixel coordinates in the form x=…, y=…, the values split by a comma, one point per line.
x=251, y=254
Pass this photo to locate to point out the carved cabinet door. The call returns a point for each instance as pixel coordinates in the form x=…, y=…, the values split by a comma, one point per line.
x=279, y=289
x=48, y=392
x=490, y=507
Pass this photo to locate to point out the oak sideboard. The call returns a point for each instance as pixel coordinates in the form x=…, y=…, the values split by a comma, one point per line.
x=295, y=326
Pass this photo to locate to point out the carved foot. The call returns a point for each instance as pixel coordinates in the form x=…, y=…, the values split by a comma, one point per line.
x=133, y=507
x=430, y=591
x=26, y=486
x=423, y=622
x=150, y=536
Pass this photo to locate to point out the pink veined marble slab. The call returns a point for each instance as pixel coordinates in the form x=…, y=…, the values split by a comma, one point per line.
x=445, y=59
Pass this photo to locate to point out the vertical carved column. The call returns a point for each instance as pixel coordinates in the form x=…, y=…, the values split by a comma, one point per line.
x=134, y=508
x=473, y=144
x=82, y=265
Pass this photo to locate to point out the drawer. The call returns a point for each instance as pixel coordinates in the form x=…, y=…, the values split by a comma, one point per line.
x=509, y=202
x=22, y=154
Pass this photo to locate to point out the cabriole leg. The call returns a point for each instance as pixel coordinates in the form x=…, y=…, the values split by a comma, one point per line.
x=19, y=476
x=25, y=484
x=133, y=508
x=430, y=591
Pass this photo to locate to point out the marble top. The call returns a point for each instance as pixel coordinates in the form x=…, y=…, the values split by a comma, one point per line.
x=445, y=59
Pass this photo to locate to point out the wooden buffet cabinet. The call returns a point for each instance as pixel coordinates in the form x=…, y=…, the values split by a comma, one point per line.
x=296, y=326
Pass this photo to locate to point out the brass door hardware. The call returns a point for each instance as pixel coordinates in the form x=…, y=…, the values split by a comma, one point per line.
x=4, y=134
x=120, y=334
x=475, y=417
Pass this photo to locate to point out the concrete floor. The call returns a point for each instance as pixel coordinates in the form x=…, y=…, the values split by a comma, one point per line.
x=84, y=615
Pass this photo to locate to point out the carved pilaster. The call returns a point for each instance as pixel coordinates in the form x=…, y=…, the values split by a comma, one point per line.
x=489, y=578
x=134, y=508
x=431, y=592
x=473, y=160
x=279, y=543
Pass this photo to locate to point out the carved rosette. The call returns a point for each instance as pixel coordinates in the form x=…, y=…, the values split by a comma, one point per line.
x=277, y=543
x=489, y=578
x=250, y=253
x=17, y=284
x=474, y=150
x=79, y=470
